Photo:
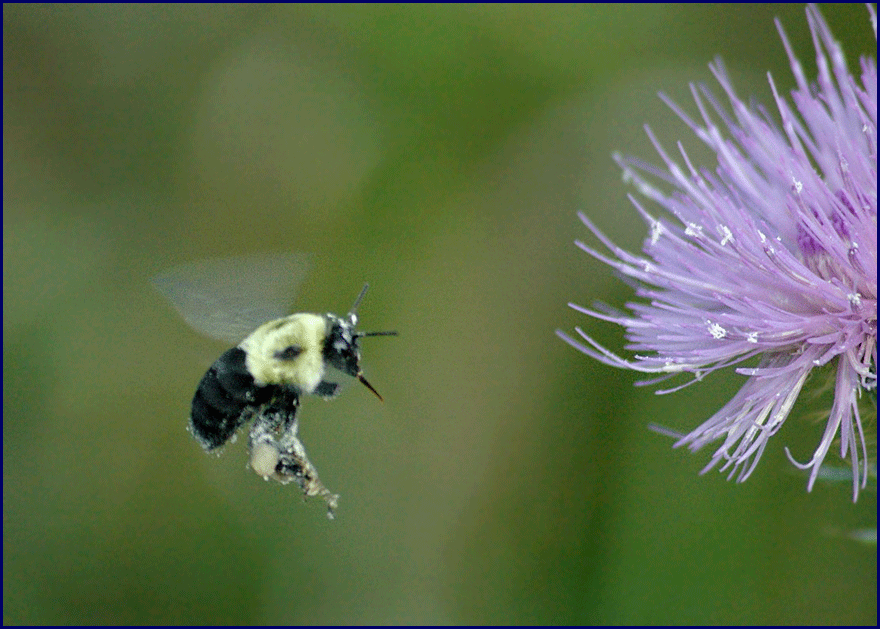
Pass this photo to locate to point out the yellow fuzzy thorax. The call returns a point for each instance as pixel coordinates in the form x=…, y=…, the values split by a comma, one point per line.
x=306, y=331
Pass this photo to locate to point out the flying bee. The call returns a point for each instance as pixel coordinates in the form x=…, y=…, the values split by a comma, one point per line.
x=264, y=377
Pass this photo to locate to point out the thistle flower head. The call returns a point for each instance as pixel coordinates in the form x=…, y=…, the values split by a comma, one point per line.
x=771, y=256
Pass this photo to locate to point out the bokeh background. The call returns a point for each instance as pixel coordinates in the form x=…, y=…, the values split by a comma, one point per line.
x=440, y=153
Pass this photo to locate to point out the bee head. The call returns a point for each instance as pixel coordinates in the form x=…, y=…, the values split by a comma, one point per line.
x=341, y=348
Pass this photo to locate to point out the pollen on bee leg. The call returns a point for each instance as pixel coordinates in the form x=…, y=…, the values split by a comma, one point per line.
x=278, y=454
x=294, y=465
x=264, y=458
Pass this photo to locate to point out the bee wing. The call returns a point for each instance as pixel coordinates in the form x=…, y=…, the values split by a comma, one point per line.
x=227, y=298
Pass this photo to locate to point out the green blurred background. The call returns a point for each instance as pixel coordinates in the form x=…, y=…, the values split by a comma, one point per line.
x=440, y=153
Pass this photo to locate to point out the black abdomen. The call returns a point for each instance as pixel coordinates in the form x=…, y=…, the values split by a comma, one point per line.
x=222, y=398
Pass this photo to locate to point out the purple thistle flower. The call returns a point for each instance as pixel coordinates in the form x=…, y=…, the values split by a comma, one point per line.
x=773, y=255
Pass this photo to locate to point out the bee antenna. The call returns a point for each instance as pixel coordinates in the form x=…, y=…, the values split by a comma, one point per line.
x=358, y=300
x=359, y=334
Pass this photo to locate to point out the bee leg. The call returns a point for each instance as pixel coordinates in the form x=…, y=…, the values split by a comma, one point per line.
x=326, y=390
x=277, y=452
x=277, y=417
x=293, y=464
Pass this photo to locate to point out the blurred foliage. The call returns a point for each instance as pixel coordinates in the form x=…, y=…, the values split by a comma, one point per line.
x=439, y=152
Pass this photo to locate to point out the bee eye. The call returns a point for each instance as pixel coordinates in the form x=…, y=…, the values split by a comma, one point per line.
x=289, y=353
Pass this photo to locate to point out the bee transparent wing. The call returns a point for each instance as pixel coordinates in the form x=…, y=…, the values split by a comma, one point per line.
x=227, y=298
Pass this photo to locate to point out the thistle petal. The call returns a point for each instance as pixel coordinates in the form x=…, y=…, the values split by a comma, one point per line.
x=772, y=254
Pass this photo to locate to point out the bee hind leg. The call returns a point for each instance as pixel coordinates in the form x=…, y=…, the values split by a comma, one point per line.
x=277, y=453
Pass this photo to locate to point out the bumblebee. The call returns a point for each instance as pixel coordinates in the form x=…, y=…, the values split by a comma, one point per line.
x=264, y=377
